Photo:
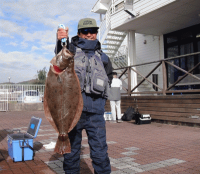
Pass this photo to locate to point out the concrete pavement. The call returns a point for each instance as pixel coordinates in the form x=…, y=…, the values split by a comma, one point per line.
x=146, y=149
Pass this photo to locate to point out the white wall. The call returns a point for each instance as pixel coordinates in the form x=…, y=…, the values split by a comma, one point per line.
x=153, y=50
x=141, y=8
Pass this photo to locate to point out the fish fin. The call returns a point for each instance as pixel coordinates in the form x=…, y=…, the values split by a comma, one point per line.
x=47, y=112
x=78, y=110
x=63, y=145
x=53, y=61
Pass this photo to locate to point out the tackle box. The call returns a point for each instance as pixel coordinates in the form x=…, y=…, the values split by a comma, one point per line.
x=20, y=145
x=145, y=119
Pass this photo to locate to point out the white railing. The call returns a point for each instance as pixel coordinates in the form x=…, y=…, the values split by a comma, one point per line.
x=3, y=99
x=15, y=92
x=104, y=27
x=120, y=59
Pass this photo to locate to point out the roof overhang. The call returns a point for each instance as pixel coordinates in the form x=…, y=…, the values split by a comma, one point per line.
x=101, y=6
x=172, y=17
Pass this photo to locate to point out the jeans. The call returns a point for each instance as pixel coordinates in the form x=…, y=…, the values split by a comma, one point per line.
x=94, y=125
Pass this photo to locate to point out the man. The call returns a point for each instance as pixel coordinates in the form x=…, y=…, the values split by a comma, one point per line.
x=93, y=69
x=115, y=98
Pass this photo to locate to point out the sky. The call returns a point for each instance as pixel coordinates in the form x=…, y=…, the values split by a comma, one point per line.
x=28, y=33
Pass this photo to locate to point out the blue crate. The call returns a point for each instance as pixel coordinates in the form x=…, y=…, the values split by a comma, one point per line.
x=20, y=145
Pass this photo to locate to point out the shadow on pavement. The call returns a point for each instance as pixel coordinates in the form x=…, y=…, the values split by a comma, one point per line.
x=4, y=133
x=3, y=155
x=37, y=146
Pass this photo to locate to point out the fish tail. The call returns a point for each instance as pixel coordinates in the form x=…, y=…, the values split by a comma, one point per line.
x=63, y=144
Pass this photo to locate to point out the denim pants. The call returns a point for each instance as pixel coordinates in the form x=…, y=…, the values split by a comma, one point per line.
x=94, y=124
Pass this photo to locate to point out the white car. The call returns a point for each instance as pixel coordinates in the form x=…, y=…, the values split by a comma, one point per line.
x=30, y=96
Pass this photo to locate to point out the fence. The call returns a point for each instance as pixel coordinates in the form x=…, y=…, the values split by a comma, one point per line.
x=3, y=99
x=165, y=87
x=15, y=93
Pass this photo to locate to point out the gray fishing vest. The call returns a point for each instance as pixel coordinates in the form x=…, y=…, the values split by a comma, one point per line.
x=91, y=73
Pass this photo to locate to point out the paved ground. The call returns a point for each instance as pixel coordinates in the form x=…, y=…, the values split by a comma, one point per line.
x=146, y=149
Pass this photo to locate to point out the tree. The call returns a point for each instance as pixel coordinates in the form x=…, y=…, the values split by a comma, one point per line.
x=42, y=75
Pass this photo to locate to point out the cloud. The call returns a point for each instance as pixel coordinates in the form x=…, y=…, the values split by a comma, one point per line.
x=44, y=36
x=5, y=35
x=32, y=27
x=23, y=64
x=45, y=48
x=34, y=48
x=11, y=27
x=23, y=44
x=49, y=47
x=13, y=44
x=23, y=58
x=48, y=12
x=1, y=13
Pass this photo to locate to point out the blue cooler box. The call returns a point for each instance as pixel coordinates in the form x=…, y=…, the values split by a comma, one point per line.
x=20, y=145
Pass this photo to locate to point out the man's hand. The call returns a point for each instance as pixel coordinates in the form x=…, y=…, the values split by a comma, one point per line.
x=62, y=33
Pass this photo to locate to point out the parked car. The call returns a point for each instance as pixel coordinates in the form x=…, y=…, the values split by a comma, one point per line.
x=30, y=96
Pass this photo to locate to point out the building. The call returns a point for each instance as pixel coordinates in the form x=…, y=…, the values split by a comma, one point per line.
x=140, y=31
x=155, y=44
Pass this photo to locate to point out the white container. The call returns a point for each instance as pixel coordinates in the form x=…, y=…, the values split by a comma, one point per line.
x=107, y=116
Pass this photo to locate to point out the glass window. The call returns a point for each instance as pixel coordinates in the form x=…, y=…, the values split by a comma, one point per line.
x=172, y=39
x=198, y=47
x=198, y=35
x=172, y=72
x=187, y=63
x=172, y=51
x=186, y=35
x=182, y=42
x=119, y=6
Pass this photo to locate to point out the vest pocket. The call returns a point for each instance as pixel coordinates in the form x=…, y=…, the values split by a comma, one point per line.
x=99, y=82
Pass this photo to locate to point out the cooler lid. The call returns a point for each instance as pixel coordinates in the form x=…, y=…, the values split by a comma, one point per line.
x=34, y=126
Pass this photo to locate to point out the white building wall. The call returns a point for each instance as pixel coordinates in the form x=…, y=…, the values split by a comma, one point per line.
x=149, y=48
x=141, y=7
x=146, y=6
x=118, y=18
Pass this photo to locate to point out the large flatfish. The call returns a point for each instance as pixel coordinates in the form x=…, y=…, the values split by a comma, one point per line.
x=63, y=101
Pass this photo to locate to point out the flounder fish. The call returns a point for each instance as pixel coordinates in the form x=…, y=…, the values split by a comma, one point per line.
x=63, y=101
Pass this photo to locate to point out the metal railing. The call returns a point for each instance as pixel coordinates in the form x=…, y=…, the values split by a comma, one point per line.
x=104, y=27
x=3, y=99
x=165, y=88
x=15, y=92
x=120, y=60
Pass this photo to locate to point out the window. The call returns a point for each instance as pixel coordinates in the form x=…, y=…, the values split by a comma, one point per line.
x=119, y=6
x=182, y=42
x=155, y=80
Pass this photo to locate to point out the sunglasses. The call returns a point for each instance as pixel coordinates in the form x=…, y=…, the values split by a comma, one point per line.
x=89, y=30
